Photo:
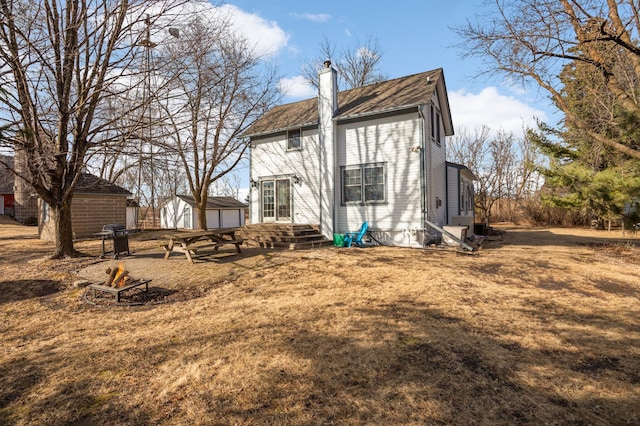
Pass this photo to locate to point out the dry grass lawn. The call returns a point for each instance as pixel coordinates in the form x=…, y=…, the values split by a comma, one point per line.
x=542, y=327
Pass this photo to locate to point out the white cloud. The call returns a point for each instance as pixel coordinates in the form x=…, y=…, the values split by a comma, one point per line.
x=313, y=17
x=243, y=193
x=266, y=36
x=490, y=108
x=297, y=87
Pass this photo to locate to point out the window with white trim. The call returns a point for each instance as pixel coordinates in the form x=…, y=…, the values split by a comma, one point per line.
x=365, y=183
x=435, y=124
x=294, y=139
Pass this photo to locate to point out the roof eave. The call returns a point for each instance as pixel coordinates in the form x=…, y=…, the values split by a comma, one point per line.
x=281, y=130
x=125, y=194
x=378, y=112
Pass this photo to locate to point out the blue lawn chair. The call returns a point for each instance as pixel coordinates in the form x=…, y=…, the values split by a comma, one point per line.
x=356, y=237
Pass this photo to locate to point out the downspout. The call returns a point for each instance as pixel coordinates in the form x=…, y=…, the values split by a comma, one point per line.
x=458, y=182
x=337, y=176
x=251, y=188
x=446, y=192
x=429, y=160
x=423, y=177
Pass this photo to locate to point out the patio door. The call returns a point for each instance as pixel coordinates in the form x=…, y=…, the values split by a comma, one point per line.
x=276, y=200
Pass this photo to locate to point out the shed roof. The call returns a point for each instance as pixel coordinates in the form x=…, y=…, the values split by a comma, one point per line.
x=90, y=184
x=463, y=168
x=387, y=96
x=214, y=202
x=6, y=175
x=6, y=188
x=87, y=183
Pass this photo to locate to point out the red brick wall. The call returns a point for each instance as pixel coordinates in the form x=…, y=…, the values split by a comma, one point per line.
x=89, y=212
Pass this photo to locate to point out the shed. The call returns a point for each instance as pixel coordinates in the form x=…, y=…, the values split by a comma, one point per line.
x=6, y=200
x=133, y=209
x=96, y=202
x=179, y=211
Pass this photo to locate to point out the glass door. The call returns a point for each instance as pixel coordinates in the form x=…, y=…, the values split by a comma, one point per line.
x=276, y=200
x=283, y=190
x=268, y=201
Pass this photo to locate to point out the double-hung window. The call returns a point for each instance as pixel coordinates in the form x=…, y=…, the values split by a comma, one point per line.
x=294, y=140
x=365, y=183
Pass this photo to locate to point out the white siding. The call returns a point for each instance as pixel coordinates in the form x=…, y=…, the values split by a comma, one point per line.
x=132, y=218
x=232, y=218
x=453, y=192
x=438, y=176
x=270, y=158
x=172, y=214
x=213, y=218
x=386, y=140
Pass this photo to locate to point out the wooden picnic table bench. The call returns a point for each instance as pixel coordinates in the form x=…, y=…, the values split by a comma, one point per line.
x=185, y=241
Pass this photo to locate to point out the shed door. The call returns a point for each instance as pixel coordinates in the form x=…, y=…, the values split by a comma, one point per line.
x=186, y=217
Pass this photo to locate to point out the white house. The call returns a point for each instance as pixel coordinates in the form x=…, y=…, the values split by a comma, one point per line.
x=375, y=153
x=180, y=211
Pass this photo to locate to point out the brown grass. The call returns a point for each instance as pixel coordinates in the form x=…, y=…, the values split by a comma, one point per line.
x=542, y=327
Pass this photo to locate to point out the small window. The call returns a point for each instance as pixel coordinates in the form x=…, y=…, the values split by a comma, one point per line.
x=364, y=184
x=435, y=124
x=294, y=140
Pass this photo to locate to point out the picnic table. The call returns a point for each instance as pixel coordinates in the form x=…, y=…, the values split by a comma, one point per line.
x=185, y=241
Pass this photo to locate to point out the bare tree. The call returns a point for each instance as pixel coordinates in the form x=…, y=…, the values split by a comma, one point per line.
x=534, y=40
x=59, y=63
x=504, y=166
x=218, y=88
x=357, y=65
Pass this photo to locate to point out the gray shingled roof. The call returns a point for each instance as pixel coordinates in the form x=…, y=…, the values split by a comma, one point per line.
x=6, y=176
x=215, y=202
x=90, y=184
x=391, y=95
x=87, y=184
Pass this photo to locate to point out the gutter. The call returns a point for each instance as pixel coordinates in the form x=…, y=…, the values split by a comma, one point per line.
x=281, y=130
x=377, y=112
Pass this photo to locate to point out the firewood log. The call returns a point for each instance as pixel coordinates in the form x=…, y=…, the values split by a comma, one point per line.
x=112, y=275
x=120, y=278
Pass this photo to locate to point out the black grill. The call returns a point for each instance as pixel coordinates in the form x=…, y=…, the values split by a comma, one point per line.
x=118, y=235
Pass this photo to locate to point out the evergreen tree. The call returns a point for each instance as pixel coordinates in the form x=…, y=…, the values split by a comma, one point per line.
x=584, y=173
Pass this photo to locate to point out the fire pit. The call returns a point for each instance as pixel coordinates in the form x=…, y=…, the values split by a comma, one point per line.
x=118, y=282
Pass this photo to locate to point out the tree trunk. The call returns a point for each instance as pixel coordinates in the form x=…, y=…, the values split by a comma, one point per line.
x=62, y=230
x=201, y=207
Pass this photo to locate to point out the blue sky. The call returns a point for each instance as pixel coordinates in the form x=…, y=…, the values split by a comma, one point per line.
x=415, y=36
